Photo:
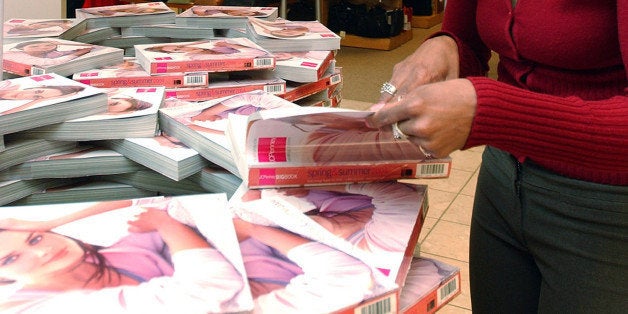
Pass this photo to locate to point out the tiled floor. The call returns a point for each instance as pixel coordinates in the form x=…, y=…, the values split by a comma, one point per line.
x=445, y=234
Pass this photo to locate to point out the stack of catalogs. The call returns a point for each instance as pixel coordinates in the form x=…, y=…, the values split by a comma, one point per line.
x=212, y=55
x=172, y=31
x=16, y=30
x=63, y=57
x=160, y=153
x=303, y=66
x=223, y=17
x=80, y=161
x=201, y=126
x=126, y=15
x=285, y=36
x=132, y=112
x=130, y=73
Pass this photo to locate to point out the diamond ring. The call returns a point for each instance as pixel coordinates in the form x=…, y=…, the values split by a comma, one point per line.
x=397, y=134
x=388, y=88
x=427, y=155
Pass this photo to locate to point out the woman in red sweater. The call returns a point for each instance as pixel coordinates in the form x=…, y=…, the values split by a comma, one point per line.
x=550, y=221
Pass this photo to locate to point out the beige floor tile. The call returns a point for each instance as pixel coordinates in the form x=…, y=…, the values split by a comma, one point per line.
x=449, y=240
x=439, y=201
x=468, y=160
x=469, y=188
x=452, y=309
x=427, y=227
x=460, y=210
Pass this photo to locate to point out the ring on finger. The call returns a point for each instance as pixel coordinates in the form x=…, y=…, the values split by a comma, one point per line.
x=427, y=155
x=389, y=88
x=397, y=133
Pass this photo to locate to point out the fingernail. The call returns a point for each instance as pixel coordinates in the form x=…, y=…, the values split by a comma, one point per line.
x=377, y=106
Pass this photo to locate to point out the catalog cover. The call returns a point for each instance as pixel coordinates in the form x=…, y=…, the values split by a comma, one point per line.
x=30, y=102
x=296, y=90
x=212, y=55
x=146, y=255
x=201, y=126
x=130, y=73
x=378, y=224
x=15, y=30
x=223, y=17
x=131, y=112
x=320, y=145
x=231, y=83
x=430, y=285
x=303, y=66
x=63, y=57
x=126, y=14
x=283, y=35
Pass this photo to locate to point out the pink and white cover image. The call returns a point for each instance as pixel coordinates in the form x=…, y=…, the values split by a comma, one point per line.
x=64, y=57
x=212, y=55
x=342, y=229
x=145, y=255
x=33, y=101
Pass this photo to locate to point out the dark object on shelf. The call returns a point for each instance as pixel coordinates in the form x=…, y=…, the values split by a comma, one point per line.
x=420, y=7
x=358, y=19
x=302, y=10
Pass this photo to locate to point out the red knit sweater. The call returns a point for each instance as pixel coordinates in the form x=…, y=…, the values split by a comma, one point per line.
x=562, y=95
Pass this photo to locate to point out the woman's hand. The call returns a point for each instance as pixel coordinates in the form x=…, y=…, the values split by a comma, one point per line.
x=435, y=60
x=437, y=117
x=151, y=219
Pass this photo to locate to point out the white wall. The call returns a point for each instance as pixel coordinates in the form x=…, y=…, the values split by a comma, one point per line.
x=34, y=9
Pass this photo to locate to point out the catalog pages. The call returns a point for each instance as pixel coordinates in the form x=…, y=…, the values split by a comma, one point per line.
x=319, y=145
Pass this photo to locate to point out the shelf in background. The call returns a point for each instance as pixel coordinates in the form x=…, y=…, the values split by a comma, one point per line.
x=376, y=43
x=429, y=21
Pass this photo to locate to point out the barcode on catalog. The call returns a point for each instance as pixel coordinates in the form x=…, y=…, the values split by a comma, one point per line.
x=37, y=71
x=446, y=291
x=275, y=88
x=194, y=80
x=263, y=62
x=432, y=170
x=383, y=306
x=335, y=79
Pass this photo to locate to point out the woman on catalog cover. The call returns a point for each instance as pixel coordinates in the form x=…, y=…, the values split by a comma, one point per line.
x=203, y=50
x=376, y=219
x=14, y=98
x=42, y=28
x=46, y=52
x=153, y=269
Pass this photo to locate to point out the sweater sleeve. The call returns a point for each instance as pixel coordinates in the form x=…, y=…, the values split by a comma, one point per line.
x=583, y=139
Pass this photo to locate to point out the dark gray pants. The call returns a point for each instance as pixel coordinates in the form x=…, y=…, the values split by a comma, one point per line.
x=544, y=243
